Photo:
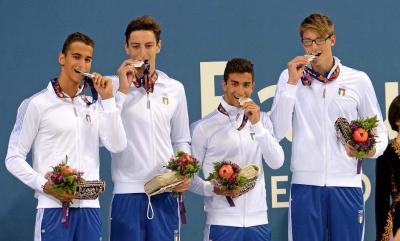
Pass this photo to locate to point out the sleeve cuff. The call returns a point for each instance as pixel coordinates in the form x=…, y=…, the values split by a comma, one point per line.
x=258, y=128
x=109, y=105
x=291, y=90
x=120, y=98
x=40, y=182
x=208, y=189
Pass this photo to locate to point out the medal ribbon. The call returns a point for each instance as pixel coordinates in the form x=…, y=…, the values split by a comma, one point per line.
x=87, y=83
x=309, y=74
x=146, y=81
x=244, y=120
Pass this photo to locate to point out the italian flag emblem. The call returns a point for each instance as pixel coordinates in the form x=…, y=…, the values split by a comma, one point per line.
x=342, y=92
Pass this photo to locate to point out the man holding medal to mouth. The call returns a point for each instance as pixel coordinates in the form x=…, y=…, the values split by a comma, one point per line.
x=312, y=93
x=58, y=121
x=237, y=131
x=154, y=113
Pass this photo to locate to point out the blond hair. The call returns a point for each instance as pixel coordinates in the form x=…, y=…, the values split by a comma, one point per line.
x=318, y=23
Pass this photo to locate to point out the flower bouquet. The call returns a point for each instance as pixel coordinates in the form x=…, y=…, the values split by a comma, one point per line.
x=181, y=166
x=184, y=165
x=360, y=134
x=64, y=179
x=229, y=176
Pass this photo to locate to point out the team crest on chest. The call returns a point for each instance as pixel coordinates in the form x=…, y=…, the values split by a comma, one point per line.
x=88, y=119
x=165, y=100
x=341, y=91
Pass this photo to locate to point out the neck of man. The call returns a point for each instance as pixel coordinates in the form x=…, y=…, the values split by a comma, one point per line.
x=228, y=102
x=324, y=67
x=68, y=86
x=152, y=68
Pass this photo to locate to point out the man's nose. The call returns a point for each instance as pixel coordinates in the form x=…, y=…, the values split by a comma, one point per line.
x=240, y=91
x=142, y=53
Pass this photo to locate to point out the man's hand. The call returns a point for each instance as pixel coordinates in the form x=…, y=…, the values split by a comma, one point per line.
x=64, y=197
x=127, y=74
x=252, y=110
x=228, y=193
x=296, y=67
x=184, y=186
x=103, y=86
x=351, y=151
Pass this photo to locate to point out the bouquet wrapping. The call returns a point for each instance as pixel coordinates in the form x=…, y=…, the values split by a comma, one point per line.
x=180, y=167
x=65, y=179
x=229, y=176
x=360, y=134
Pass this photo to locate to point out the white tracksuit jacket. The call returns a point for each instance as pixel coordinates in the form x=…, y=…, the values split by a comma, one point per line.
x=318, y=157
x=54, y=127
x=216, y=138
x=156, y=125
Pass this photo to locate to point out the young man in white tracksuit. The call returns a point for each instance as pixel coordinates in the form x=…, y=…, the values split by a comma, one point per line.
x=326, y=191
x=61, y=121
x=243, y=135
x=156, y=121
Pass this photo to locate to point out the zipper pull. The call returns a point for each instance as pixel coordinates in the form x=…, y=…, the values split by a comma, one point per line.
x=324, y=93
x=148, y=101
x=75, y=111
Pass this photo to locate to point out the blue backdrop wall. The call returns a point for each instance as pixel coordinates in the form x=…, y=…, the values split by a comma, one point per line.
x=197, y=37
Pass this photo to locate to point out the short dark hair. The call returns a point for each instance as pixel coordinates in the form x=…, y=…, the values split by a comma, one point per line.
x=238, y=65
x=76, y=37
x=143, y=23
x=394, y=113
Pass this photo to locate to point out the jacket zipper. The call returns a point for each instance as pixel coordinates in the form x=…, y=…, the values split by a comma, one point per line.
x=324, y=135
x=151, y=131
x=77, y=137
x=241, y=161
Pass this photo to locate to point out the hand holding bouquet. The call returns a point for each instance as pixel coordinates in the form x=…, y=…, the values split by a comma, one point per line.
x=229, y=178
x=67, y=184
x=185, y=166
x=64, y=181
x=182, y=168
x=359, y=134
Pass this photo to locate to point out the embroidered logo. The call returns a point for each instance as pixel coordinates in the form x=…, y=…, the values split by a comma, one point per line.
x=165, y=100
x=176, y=235
x=360, y=216
x=88, y=119
x=341, y=91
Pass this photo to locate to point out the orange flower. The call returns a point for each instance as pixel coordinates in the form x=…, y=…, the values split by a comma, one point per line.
x=226, y=171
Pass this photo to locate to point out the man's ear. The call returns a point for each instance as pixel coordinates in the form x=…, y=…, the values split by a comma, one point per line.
x=223, y=84
x=159, y=46
x=333, y=40
x=61, y=59
x=126, y=48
